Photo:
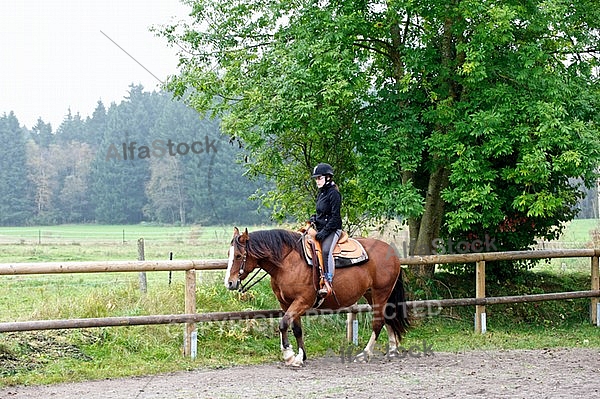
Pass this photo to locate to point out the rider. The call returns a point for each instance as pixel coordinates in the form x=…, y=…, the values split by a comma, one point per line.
x=328, y=220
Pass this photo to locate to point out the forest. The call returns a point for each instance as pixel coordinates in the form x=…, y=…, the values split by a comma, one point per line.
x=149, y=158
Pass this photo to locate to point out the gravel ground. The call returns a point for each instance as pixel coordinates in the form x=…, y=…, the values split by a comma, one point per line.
x=531, y=374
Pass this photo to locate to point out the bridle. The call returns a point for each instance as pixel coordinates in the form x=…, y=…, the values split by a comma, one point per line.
x=249, y=283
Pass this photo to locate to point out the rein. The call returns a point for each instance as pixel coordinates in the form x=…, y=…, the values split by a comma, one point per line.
x=249, y=284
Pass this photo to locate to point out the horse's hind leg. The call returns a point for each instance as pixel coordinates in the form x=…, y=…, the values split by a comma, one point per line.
x=392, y=348
x=393, y=340
x=377, y=325
x=378, y=301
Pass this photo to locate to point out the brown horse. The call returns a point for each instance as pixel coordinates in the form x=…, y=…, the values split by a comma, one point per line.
x=279, y=252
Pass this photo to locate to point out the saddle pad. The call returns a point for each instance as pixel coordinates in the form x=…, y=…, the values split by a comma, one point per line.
x=348, y=253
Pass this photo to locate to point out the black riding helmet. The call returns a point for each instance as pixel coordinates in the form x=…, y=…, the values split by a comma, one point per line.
x=322, y=169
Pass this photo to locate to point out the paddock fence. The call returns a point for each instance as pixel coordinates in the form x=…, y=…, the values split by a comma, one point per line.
x=190, y=317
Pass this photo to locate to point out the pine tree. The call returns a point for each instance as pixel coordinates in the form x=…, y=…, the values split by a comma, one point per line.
x=14, y=196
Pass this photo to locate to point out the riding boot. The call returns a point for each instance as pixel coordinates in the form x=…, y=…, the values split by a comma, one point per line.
x=326, y=290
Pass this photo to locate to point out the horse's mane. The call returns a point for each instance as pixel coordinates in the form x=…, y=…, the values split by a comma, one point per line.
x=275, y=244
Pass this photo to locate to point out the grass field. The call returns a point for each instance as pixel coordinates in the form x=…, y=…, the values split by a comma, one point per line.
x=578, y=234
x=69, y=355
x=105, y=242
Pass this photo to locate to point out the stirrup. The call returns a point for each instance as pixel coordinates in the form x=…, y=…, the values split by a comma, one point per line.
x=325, y=291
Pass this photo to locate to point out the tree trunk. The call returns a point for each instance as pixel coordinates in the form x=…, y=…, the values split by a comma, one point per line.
x=425, y=230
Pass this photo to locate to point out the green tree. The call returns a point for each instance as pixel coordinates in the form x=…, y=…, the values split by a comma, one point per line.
x=72, y=128
x=172, y=185
x=117, y=175
x=41, y=133
x=96, y=125
x=15, y=203
x=74, y=196
x=465, y=118
x=166, y=191
x=198, y=185
x=43, y=166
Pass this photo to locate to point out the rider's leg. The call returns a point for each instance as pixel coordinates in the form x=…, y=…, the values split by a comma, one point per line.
x=327, y=246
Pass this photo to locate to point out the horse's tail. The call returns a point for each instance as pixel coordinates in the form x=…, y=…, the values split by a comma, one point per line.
x=396, y=312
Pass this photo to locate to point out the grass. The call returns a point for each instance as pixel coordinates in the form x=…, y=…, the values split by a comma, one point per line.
x=74, y=355
x=578, y=234
x=578, y=231
x=105, y=242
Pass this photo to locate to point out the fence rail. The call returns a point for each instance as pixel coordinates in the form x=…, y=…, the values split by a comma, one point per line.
x=190, y=317
x=122, y=321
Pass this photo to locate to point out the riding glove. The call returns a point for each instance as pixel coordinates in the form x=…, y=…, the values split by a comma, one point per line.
x=321, y=235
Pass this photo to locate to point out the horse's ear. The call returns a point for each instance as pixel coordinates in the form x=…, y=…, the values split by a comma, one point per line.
x=243, y=237
x=236, y=232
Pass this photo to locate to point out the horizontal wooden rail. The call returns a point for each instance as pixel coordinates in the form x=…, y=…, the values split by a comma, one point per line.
x=446, y=303
x=272, y=313
x=216, y=264
x=496, y=256
x=164, y=319
x=111, y=266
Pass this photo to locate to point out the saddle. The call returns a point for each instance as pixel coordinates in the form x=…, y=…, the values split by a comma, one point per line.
x=347, y=251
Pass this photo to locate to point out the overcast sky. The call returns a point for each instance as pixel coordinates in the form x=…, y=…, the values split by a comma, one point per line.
x=54, y=55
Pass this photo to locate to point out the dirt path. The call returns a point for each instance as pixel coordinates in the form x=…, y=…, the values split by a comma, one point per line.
x=532, y=374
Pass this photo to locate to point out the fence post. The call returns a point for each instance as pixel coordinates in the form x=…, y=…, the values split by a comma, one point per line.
x=480, y=317
x=142, y=275
x=352, y=328
x=595, y=286
x=190, y=335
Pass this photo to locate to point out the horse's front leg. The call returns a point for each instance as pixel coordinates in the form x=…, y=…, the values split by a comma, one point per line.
x=289, y=356
x=297, y=329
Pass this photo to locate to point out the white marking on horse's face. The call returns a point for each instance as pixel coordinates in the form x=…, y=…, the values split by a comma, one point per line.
x=229, y=266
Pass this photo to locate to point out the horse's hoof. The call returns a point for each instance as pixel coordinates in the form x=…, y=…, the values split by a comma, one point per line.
x=362, y=357
x=392, y=354
x=296, y=361
x=288, y=355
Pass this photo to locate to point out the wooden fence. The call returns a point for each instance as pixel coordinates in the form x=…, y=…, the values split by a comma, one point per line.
x=190, y=317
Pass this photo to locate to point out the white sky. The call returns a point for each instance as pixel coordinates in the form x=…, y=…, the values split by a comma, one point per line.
x=53, y=55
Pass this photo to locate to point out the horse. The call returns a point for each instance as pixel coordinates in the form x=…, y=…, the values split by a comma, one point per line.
x=279, y=252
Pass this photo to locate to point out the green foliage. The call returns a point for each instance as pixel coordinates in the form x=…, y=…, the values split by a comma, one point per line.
x=465, y=120
x=548, y=313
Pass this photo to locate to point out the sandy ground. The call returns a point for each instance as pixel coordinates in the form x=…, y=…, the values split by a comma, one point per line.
x=532, y=374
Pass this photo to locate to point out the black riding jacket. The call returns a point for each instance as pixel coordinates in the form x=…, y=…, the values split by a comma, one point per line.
x=329, y=201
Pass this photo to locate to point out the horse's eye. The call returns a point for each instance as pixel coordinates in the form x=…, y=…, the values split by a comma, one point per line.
x=238, y=256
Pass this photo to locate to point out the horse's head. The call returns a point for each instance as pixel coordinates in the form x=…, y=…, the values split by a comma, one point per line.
x=239, y=264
